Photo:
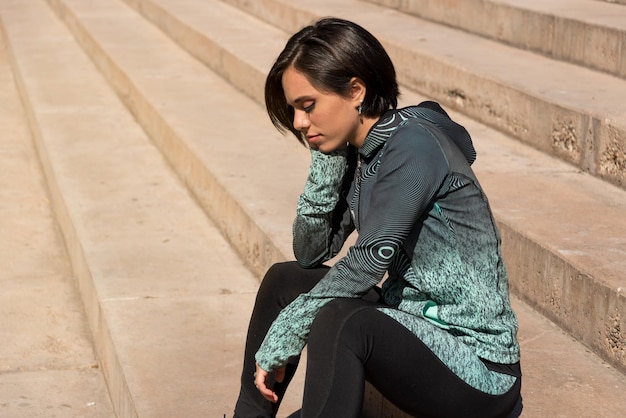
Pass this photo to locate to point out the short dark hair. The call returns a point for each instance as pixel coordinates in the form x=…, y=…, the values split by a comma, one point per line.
x=330, y=53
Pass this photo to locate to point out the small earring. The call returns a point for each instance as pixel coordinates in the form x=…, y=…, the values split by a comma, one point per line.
x=360, y=109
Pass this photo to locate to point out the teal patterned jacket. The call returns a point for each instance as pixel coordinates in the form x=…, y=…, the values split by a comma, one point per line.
x=423, y=219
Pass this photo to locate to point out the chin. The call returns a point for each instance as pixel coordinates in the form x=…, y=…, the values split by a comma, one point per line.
x=329, y=148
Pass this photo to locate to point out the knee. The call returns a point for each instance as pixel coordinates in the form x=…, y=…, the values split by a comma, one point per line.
x=278, y=275
x=283, y=282
x=275, y=282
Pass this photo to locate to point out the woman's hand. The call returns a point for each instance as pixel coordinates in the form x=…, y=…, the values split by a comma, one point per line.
x=260, y=381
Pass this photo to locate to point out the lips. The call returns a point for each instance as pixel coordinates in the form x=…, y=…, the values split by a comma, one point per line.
x=312, y=138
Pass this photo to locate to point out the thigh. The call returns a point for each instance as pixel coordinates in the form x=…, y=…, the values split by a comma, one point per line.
x=407, y=372
x=352, y=341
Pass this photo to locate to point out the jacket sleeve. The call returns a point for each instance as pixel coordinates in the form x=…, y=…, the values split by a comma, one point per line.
x=409, y=176
x=322, y=222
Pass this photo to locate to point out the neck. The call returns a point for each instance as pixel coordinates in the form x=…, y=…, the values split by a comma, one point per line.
x=363, y=130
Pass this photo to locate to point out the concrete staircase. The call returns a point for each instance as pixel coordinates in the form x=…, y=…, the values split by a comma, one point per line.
x=174, y=193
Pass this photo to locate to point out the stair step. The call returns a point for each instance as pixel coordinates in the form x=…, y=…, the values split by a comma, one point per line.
x=583, y=32
x=201, y=125
x=156, y=276
x=47, y=362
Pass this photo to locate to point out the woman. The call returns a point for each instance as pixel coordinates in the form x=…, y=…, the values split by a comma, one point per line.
x=438, y=337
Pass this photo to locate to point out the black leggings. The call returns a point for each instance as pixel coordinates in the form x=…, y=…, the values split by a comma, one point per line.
x=351, y=342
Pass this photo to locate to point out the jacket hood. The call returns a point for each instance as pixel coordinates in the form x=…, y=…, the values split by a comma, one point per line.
x=428, y=110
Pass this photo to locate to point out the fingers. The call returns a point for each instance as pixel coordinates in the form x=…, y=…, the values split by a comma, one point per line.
x=260, y=381
x=279, y=374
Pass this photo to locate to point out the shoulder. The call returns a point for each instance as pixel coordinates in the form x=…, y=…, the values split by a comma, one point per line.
x=415, y=138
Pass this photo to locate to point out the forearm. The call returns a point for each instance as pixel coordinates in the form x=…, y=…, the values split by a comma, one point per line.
x=314, y=226
x=288, y=333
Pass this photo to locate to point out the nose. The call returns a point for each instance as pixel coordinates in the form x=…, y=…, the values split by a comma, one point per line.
x=301, y=120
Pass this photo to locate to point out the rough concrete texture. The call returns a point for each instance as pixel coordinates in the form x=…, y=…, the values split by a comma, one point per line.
x=47, y=362
x=578, y=31
x=167, y=297
x=165, y=293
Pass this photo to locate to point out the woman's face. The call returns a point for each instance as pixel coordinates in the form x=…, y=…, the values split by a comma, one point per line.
x=327, y=120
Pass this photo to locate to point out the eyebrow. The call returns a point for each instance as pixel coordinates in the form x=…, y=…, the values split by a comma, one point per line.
x=301, y=99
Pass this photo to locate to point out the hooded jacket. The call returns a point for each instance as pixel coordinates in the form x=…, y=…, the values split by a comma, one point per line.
x=422, y=218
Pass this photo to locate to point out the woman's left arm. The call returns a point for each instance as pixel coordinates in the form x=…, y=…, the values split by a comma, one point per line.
x=410, y=173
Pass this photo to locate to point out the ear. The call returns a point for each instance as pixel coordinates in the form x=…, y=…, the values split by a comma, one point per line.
x=357, y=90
